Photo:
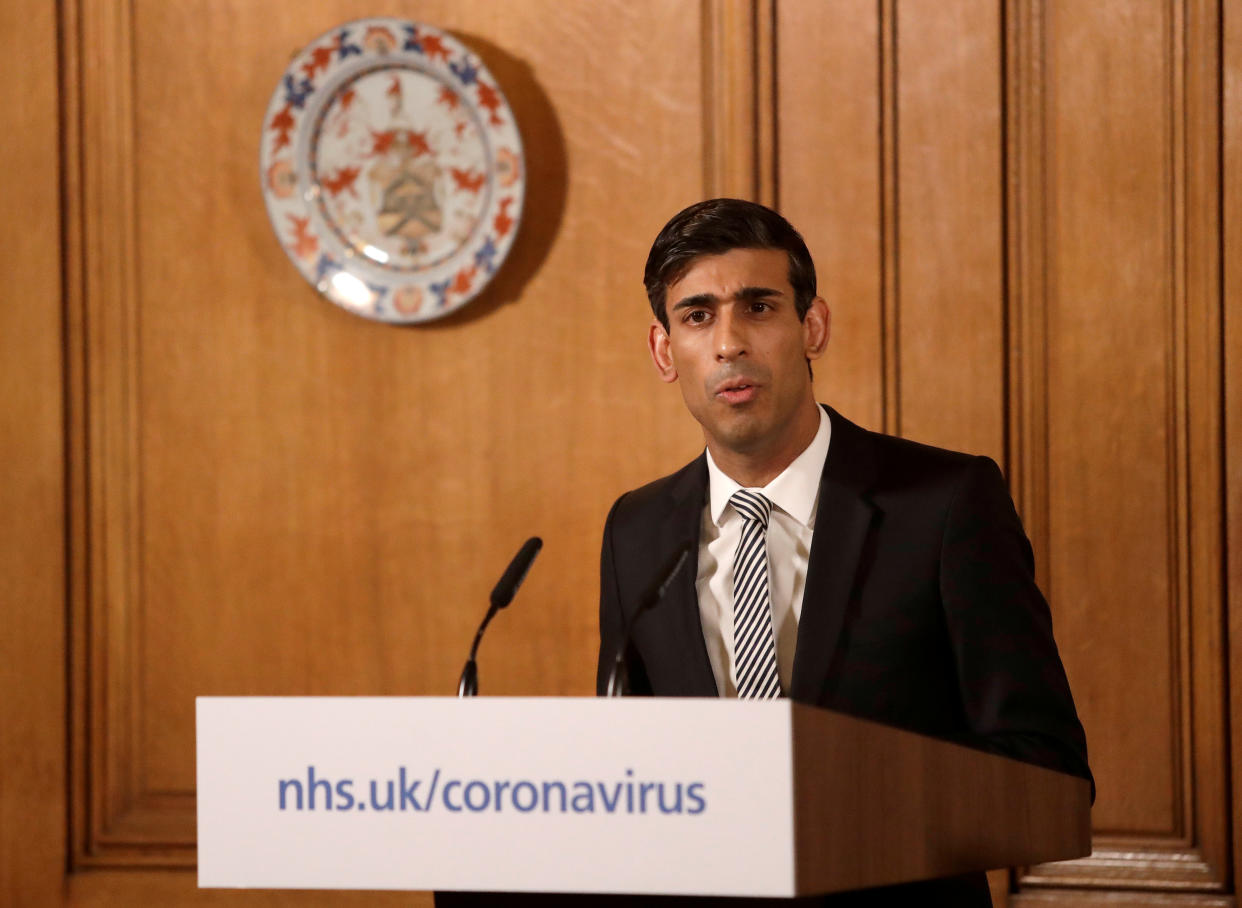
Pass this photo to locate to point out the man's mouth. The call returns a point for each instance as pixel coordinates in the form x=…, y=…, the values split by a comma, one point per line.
x=737, y=392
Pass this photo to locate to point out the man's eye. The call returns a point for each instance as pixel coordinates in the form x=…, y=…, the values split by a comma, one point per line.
x=759, y=306
x=696, y=316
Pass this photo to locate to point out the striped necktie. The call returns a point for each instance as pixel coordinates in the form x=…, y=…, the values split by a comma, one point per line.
x=754, y=645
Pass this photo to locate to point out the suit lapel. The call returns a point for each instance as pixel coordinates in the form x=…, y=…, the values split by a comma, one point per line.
x=679, y=613
x=843, y=519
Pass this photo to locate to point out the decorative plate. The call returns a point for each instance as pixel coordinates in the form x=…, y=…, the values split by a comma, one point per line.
x=392, y=169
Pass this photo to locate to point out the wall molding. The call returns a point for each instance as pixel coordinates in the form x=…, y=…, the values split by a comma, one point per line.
x=739, y=100
x=1192, y=856
x=1133, y=865
x=1081, y=898
x=1026, y=272
x=115, y=820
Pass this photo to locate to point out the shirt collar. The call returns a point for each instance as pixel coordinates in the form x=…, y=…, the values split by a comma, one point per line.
x=795, y=491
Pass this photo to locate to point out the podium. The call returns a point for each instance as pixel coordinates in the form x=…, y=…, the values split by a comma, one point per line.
x=640, y=796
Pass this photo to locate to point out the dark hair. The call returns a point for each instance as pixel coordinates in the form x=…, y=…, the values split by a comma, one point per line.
x=715, y=227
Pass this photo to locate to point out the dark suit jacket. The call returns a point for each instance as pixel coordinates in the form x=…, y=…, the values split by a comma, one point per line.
x=920, y=607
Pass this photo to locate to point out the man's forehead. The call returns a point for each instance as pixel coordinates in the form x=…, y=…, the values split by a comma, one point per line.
x=726, y=274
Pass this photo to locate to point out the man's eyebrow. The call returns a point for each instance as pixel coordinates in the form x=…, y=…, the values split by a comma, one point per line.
x=746, y=295
x=750, y=294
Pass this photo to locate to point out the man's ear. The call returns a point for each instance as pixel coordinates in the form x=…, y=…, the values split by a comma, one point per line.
x=661, y=354
x=816, y=328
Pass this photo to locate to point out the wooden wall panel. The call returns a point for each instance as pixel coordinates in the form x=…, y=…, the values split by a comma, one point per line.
x=949, y=324
x=1039, y=181
x=1116, y=324
x=739, y=97
x=266, y=495
x=889, y=161
x=1231, y=173
x=829, y=172
x=1111, y=353
x=287, y=499
x=1206, y=744
x=32, y=498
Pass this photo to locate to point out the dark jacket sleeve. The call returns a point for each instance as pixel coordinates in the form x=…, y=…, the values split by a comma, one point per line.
x=611, y=620
x=1013, y=685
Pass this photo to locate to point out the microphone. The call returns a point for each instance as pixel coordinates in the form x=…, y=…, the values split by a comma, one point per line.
x=617, y=677
x=502, y=595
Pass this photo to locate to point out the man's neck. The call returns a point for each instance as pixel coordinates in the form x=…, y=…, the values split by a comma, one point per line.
x=754, y=470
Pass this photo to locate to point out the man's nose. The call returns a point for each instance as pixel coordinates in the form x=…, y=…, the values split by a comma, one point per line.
x=730, y=338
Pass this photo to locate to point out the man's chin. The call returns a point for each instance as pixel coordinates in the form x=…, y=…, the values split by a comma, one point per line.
x=740, y=435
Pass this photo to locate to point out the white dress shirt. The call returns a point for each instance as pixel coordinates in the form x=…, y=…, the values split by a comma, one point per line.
x=795, y=499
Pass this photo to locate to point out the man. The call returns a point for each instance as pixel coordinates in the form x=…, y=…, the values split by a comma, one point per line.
x=837, y=566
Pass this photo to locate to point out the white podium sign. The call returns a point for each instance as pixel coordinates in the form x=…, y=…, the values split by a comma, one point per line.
x=630, y=795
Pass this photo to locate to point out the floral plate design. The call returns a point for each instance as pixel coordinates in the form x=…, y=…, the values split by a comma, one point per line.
x=392, y=169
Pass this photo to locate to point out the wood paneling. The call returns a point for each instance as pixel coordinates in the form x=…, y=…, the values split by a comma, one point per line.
x=1041, y=180
x=949, y=326
x=1026, y=262
x=1205, y=696
x=1231, y=146
x=1116, y=307
x=32, y=499
x=1085, y=898
x=829, y=185
x=1015, y=208
x=739, y=100
x=1110, y=238
x=282, y=498
x=889, y=162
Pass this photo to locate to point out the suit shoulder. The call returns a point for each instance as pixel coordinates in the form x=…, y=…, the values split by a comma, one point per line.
x=901, y=464
x=888, y=453
x=902, y=452
x=646, y=503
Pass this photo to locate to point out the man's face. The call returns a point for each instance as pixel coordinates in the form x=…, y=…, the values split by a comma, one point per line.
x=737, y=346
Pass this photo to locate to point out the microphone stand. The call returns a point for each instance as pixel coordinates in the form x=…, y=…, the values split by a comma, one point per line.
x=618, y=676
x=502, y=595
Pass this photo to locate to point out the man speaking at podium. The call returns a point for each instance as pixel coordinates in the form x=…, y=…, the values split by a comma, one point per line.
x=837, y=566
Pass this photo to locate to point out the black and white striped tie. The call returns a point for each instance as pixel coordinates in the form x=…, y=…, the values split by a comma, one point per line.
x=754, y=644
